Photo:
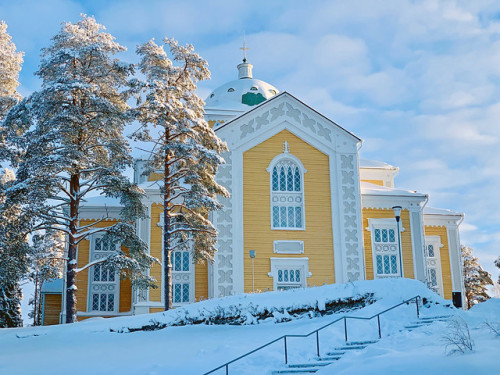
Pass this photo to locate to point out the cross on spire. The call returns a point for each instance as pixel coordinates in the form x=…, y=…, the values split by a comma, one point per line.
x=244, y=49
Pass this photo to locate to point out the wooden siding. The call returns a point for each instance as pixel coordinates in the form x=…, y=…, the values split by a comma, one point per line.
x=406, y=245
x=52, y=305
x=444, y=253
x=155, y=176
x=201, y=270
x=258, y=236
x=156, y=251
x=375, y=182
x=82, y=278
x=201, y=281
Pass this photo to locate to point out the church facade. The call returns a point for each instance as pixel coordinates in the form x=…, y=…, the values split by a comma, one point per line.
x=305, y=210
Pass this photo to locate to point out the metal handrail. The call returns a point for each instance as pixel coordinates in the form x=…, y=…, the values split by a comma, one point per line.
x=316, y=331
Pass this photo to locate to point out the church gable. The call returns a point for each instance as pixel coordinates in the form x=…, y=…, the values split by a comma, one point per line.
x=247, y=136
x=284, y=111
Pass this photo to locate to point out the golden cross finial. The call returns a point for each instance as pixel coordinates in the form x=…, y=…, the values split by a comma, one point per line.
x=244, y=49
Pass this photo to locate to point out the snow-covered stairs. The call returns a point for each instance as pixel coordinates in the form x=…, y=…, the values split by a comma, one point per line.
x=422, y=322
x=326, y=360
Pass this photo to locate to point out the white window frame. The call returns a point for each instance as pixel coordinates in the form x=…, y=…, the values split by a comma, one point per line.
x=301, y=264
x=387, y=224
x=182, y=274
x=92, y=284
x=286, y=156
x=435, y=241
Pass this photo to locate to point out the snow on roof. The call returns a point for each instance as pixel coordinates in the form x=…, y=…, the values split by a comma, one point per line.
x=230, y=96
x=54, y=286
x=372, y=189
x=439, y=211
x=101, y=200
x=366, y=163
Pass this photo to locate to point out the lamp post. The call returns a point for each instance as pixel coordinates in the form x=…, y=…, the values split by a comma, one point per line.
x=252, y=256
x=397, y=215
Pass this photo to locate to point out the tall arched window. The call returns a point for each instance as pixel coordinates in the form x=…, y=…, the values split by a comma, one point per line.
x=287, y=192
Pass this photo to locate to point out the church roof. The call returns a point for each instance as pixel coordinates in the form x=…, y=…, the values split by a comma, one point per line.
x=440, y=211
x=372, y=189
x=53, y=287
x=365, y=163
x=242, y=93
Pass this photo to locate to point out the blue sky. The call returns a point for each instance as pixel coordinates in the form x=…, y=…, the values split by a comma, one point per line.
x=418, y=81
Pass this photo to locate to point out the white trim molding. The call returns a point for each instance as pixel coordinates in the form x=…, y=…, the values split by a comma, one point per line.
x=280, y=265
x=288, y=247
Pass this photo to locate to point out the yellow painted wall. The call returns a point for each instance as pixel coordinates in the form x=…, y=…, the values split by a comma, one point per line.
x=406, y=245
x=82, y=278
x=201, y=281
x=258, y=236
x=445, y=257
x=201, y=269
x=155, y=176
x=375, y=182
x=51, y=309
x=155, y=249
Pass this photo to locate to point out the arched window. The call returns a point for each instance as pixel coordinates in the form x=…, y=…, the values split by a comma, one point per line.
x=287, y=192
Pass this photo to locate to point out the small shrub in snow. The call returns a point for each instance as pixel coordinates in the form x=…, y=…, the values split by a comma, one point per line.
x=458, y=338
x=494, y=327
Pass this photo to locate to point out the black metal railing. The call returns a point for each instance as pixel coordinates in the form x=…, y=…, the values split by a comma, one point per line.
x=316, y=331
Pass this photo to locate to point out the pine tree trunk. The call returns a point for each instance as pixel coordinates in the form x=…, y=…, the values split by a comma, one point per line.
x=72, y=248
x=167, y=265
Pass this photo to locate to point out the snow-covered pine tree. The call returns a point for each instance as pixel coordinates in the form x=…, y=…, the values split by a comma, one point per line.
x=184, y=148
x=14, y=248
x=73, y=147
x=46, y=261
x=475, y=278
x=10, y=66
x=13, y=259
x=497, y=263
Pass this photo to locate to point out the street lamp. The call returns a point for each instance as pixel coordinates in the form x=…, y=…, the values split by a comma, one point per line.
x=397, y=214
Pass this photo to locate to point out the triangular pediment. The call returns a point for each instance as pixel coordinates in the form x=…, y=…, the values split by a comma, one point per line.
x=284, y=111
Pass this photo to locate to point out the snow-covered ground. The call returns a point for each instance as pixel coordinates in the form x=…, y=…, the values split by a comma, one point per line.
x=96, y=346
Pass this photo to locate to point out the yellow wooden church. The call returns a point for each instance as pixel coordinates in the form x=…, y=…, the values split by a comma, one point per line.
x=305, y=210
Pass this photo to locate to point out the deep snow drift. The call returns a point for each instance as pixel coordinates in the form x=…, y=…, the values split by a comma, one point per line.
x=96, y=346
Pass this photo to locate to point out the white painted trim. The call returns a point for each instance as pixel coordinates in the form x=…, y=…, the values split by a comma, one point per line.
x=276, y=251
x=238, y=234
x=436, y=242
x=386, y=223
x=285, y=156
x=116, y=303
x=269, y=169
x=301, y=263
x=418, y=244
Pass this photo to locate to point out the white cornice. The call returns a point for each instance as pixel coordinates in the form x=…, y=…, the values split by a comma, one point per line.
x=389, y=201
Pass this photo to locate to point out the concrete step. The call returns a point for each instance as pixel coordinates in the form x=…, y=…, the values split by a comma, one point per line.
x=336, y=353
x=296, y=371
x=433, y=318
x=357, y=343
x=309, y=365
x=351, y=347
x=329, y=358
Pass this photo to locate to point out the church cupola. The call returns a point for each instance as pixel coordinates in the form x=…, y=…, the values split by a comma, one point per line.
x=245, y=70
